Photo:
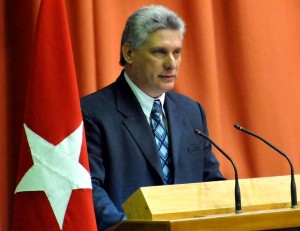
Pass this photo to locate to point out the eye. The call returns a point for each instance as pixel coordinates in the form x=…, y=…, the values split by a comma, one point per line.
x=177, y=53
x=159, y=51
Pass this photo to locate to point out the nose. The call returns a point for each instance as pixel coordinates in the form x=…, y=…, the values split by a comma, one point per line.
x=170, y=62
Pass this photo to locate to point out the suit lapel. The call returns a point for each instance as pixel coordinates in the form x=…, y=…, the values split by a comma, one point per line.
x=175, y=123
x=136, y=123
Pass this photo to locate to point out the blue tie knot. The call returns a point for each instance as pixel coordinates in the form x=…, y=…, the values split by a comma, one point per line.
x=156, y=109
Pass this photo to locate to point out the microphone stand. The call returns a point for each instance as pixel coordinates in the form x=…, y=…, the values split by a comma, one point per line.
x=238, y=204
x=294, y=203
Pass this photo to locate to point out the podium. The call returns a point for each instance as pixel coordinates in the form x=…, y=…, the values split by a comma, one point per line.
x=266, y=205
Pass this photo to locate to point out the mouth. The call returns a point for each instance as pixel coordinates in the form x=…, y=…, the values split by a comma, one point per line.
x=167, y=76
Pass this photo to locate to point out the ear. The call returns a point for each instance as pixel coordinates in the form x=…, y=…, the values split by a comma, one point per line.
x=127, y=52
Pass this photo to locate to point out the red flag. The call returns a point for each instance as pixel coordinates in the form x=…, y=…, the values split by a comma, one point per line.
x=53, y=187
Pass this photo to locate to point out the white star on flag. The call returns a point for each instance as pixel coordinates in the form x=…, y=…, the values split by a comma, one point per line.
x=56, y=170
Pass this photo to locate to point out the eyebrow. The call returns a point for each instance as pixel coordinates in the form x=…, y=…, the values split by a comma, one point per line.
x=164, y=48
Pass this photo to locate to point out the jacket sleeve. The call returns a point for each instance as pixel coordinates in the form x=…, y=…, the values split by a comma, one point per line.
x=106, y=212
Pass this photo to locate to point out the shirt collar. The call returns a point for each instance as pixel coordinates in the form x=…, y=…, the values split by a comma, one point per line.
x=145, y=100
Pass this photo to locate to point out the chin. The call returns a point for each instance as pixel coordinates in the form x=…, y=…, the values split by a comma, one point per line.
x=169, y=86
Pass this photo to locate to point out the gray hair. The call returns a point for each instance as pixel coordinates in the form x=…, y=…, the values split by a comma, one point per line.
x=147, y=20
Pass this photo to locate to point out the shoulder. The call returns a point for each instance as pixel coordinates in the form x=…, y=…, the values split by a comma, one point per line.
x=184, y=105
x=104, y=95
x=99, y=100
x=99, y=94
x=181, y=100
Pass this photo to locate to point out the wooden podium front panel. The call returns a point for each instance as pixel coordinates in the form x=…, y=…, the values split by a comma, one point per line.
x=183, y=201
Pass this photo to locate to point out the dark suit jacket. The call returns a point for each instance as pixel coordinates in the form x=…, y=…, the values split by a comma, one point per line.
x=122, y=150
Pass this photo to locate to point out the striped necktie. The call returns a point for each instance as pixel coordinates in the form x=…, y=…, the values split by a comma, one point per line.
x=161, y=139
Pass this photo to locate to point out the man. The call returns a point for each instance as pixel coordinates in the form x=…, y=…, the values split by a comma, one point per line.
x=128, y=146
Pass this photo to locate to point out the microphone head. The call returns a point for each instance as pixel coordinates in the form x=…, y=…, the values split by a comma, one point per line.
x=199, y=133
x=238, y=127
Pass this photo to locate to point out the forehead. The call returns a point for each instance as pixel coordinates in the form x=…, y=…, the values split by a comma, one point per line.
x=168, y=38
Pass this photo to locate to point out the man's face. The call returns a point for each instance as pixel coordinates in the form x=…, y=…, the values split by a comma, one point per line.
x=155, y=65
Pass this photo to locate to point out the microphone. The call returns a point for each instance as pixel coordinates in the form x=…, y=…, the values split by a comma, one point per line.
x=237, y=195
x=293, y=183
